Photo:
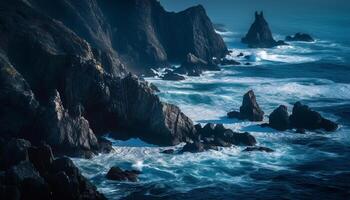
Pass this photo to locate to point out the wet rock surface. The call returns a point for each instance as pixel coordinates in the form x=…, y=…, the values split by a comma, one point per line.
x=304, y=117
x=260, y=35
x=279, y=118
x=36, y=174
x=172, y=76
x=303, y=37
x=117, y=174
x=212, y=136
x=249, y=110
x=70, y=92
x=262, y=149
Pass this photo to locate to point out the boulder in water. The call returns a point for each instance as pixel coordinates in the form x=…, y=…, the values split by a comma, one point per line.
x=172, y=76
x=168, y=151
x=195, y=147
x=117, y=174
x=194, y=66
x=249, y=110
x=265, y=149
x=303, y=37
x=279, y=118
x=304, y=117
x=226, y=61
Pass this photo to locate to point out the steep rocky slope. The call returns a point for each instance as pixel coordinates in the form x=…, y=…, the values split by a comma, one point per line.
x=138, y=34
x=62, y=86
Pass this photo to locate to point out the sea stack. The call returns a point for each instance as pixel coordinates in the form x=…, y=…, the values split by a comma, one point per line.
x=249, y=110
x=260, y=35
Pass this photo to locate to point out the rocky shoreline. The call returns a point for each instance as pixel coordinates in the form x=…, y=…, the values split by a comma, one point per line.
x=68, y=78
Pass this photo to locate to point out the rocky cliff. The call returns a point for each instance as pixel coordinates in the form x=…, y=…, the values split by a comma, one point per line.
x=64, y=70
x=138, y=34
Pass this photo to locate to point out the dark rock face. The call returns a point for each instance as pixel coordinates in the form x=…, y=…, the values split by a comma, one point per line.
x=328, y=125
x=172, y=76
x=37, y=175
x=117, y=174
x=195, y=147
x=305, y=118
x=234, y=114
x=15, y=151
x=300, y=37
x=300, y=130
x=168, y=151
x=279, y=119
x=212, y=136
x=66, y=134
x=194, y=66
x=164, y=123
x=249, y=110
x=259, y=34
x=17, y=102
x=57, y=89
x=225, y=61
x=144, y=37
x=265, y=149
x=68, y=183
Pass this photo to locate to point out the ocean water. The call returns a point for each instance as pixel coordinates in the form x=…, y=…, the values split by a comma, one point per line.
x=315, y=165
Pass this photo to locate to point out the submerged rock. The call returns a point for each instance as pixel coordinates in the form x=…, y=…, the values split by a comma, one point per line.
x=300, y=37
x=172, y=76
x=265, y=149
x=305, y=118
x=249, y=110
x=194, y=147
x=240, y=55
x=234, y=114
x=300, y=130
x=279, y=118
x=117, y=174
x=194, y=66
x=225, y=61
x=168, y=151
x=259, y=34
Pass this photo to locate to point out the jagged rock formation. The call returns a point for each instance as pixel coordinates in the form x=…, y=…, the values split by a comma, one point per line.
x=279, y=118
x=136, y=33
x=117, y=174
x=31, y=172
x=212, y=136
x=300, y=37
x=260, y=35
x=262, y=149
x=194, y=66
x=302, y=118
x=65, y=82
x=173, y=76
x=305, y=118
x=249, y=110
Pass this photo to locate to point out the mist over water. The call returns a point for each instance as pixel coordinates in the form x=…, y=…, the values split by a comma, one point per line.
x=303, y=166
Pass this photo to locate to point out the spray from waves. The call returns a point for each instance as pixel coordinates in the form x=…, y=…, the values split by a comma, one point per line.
x=228, y=36
x=279, y=55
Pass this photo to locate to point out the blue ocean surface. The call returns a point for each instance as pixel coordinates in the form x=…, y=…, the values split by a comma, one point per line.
x=315, y=165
